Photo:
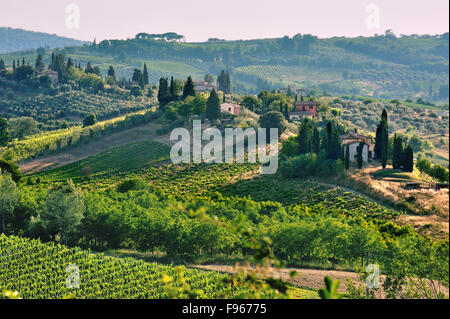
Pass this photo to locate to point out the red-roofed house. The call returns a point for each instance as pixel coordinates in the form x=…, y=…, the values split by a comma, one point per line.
x=303, y=110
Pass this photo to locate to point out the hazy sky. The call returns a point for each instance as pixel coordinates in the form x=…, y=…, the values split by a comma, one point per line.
x=199, y=20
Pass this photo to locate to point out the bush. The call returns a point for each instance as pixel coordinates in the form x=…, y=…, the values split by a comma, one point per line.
x=132, y=184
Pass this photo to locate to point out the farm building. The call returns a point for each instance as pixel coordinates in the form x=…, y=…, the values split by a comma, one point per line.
x=303, y=110
x=353, y=149
x=53, y=75
x=230, y=108
x=202, y=86
x=352, y=139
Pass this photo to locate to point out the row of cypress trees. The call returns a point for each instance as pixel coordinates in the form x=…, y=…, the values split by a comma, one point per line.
x=402, y=157
x=309, y=140
x=167, y=94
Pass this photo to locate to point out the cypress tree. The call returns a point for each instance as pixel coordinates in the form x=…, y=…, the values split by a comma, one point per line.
x=145, y=74
x=409, y=159
x=286, y=112
x=213, y=106
x=395, y=153
x=163, y=92
x=69, y=63
x=141, y=81
x=189, y=89
x=2, y=65
x=172, y=90
x=228, y=83
x=304, y=138
x=382, y=140
x=112, y=72
x=14, y=65
x=359, y=154
x=316, y=141
x=52, y=63
x=281, y=106
x=347, y=157
x=332, y=145
x=39, y=65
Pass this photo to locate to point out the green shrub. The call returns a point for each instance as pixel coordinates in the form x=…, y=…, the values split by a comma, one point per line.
x=132, y=184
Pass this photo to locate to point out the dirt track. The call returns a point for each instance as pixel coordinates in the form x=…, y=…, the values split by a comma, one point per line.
x=306, y=278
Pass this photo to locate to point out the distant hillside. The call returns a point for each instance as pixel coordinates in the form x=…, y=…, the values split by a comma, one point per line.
x=18, y=40
x=384, y=66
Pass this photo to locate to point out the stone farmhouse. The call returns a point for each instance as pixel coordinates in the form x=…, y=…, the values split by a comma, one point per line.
x=230, y=108
x=53, y=75
x=202, y=86
x=353, y=139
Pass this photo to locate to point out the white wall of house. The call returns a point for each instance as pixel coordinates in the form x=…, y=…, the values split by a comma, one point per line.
x=353, y=149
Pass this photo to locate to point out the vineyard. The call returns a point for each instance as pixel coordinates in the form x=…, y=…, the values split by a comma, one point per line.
x=117, y=160
x=288, y=74
x=241, y=180
x=42, y=271
x=72, y=107
x=53, y=141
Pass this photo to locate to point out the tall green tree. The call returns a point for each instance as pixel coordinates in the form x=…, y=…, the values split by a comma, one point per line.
x=112, y=72
x=315, y=140
x=382, y=139
x=39, y=65
x=305, y=135
x=163, y=92
x=332, y=143
x=286, y=112
x=213, y=106
x=9, y=197
x=209, y=78
x=409, y=159
x=347, y=157
x=4, y=132
x=272, y=119
x=173, y=90
x=63, y=211
x=359, y=154
x=2, y=65
x=224, y=82
x=189, y=88
x=145, y=74
x=69, y=63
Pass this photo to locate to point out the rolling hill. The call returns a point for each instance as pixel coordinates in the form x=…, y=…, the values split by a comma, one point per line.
x=383, y=66
x=18, y=40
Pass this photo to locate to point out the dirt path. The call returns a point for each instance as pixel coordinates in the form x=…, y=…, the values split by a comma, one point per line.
x=306, y=278
x=314, y=278
x=42, y=163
